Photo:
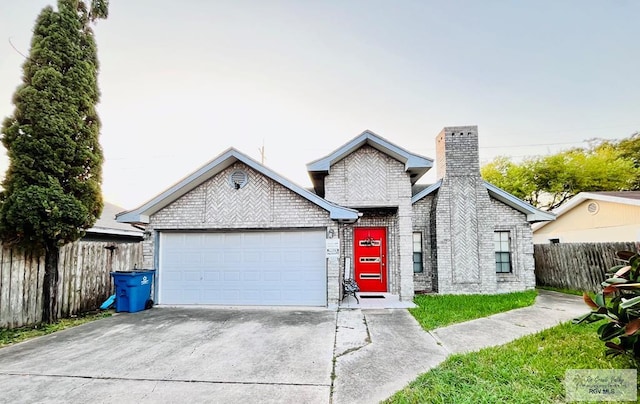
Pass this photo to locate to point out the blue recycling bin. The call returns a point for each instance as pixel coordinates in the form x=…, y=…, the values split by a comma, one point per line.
x=133, y=289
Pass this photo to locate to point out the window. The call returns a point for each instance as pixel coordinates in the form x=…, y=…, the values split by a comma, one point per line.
x=417, y=252
x=501, y=242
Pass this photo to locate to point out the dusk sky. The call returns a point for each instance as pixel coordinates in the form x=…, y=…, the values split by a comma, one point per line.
x=183, y=81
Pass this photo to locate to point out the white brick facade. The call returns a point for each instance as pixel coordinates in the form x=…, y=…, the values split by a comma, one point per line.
x=371, y=183
x=260, y=204
x=465, y=222
x=378, y=186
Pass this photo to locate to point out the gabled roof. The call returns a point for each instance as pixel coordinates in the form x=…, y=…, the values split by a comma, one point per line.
x=107, y=224
x=533, y=214
x=414, y=164
x=214, y=167
x=621, y=197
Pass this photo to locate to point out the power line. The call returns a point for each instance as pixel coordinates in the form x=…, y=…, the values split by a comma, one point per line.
x=532, y=145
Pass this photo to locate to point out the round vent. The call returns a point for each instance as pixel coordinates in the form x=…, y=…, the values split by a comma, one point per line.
x=238, y=179
x=593, y=208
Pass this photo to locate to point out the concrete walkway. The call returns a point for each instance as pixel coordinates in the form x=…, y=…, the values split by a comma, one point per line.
x=379, y=351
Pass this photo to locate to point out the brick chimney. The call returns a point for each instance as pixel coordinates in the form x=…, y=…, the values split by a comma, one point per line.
x=457, y=152
x=463, y=214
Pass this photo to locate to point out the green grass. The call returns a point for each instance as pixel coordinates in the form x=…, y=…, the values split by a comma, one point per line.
x=436, y=311
x=528, y=370
x=12, y=336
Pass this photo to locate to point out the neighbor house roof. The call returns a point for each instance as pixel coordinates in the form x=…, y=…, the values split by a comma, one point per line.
x=414, y=164
x=533, y=214
x=214, y=167
x=108, y=225
x=622, y=197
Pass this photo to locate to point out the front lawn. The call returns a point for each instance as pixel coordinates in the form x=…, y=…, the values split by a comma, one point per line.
x=436, y=311
x=528, y=370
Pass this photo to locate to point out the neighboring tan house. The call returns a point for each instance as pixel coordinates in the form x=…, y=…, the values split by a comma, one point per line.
x=592, y=217
x=236, y=233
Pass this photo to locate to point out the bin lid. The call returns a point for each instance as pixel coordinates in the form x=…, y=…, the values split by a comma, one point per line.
x=133, y=272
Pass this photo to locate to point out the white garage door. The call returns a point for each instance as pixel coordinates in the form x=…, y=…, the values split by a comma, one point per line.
x=248, y=268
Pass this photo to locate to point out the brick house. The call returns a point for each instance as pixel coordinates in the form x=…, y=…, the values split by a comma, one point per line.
x=236, y=233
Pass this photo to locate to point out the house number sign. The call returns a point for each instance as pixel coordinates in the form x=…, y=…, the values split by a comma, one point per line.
x=333, y=248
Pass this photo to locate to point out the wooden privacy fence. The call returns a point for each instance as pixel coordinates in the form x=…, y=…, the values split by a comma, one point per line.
x=84, y=280
x=578, y=266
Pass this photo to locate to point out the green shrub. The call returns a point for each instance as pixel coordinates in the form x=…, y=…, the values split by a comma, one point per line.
x=619, y=304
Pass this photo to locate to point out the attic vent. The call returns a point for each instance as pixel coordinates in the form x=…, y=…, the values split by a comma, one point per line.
x=593, y=208
x=238, y=179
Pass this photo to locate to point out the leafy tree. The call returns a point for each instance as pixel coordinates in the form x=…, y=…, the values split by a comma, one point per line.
x=52, y=188
x=629, y=148
x=549, y=181
x=516, y=178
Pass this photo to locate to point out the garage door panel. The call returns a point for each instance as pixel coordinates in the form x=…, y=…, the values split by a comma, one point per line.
x=232, y=257
x=298, y=240
x=231, y=240
x=212, y=257
x=232, y=276
x=192, y=276
x=293, y=256
x=312, y=277
x=244, y=268
x=211, y=276
x=172, y=276
x=253, y=240
x=272, y=295
x=251, y=276
x=250, y=301
x=183, y=293
x=272, y=256
x=292, y=276
x=231, y=296
x=272, y=276
x=252, y=257
x=212, y=238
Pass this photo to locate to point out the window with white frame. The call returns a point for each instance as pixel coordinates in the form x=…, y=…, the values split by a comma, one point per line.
x=417, y=253
x=502, y=246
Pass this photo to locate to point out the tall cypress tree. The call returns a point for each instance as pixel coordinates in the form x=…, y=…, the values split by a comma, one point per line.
x=52, y=188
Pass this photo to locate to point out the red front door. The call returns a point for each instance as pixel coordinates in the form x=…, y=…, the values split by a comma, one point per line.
x=370, y=256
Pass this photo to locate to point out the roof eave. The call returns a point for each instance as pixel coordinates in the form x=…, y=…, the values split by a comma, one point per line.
x=413, y=162
x=427, y=191
x=584, y=196
x=533, y=214
x=142, y=214
x=133, y=218
x=115, y=232
x=182, y=187
x=343, y=217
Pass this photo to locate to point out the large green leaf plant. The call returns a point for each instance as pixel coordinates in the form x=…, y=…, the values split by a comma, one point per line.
x=618, y=303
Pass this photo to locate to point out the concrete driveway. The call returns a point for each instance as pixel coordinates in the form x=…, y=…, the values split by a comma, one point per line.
x=223, y=355
x=178, y=355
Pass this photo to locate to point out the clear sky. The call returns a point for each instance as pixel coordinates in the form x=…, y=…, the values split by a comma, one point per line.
x=182, y=81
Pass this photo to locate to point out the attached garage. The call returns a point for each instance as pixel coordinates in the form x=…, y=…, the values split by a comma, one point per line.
x=235, y=233
x=243, y=268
